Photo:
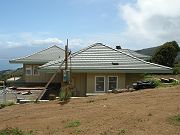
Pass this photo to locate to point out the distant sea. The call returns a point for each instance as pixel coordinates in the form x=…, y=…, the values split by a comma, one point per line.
x=5, y=65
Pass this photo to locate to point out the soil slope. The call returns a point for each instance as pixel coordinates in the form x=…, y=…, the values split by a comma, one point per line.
x=144, y=112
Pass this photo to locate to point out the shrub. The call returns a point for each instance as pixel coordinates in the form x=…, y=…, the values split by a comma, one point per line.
x=175, y=119
x=154, y=82
x=65, y=94
x=74, y=123
x=3, y=105
x=15, y=131
x=122, y=132
x=176, y=70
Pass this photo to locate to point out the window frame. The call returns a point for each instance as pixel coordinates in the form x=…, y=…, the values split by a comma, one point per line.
x=33, y=70
x=28, y=67
x=116, y=82
x=104, y=83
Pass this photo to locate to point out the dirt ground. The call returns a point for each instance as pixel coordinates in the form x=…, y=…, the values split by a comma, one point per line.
x=144, y=112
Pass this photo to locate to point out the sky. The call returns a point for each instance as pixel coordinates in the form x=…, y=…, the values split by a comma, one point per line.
x=27, y=26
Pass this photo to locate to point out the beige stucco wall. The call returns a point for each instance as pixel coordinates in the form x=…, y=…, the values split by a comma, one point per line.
x=79, y=81
x=91, y=80
x=131, y=78
x=41, y=78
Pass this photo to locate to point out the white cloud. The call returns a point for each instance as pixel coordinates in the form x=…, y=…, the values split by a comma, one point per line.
x=38, y=39
x=76, y=44
x=151, y=21
x=47, y=41
x=12, y=44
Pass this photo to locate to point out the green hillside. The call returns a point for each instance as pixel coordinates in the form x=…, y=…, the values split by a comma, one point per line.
x=5, y=74
x=148, y=51
x=152, y=50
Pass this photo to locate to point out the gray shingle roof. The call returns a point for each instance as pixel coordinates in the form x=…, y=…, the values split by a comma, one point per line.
x=98, y=58
x=44, y=56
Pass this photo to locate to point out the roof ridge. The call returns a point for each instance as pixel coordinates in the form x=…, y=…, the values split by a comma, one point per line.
x=117, y=50
x=57, y=47
x=73, y=54
x=82, y=50
x=38, y=52
x=138, y=58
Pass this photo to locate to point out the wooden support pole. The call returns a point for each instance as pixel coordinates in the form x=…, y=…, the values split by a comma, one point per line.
x=66, y=56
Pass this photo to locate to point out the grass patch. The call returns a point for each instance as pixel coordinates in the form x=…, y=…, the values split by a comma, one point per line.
x=122, y=132
x=15, y=131
x=78, y=131
x=90, y=101
x=175, y=120
x=3, y=105
x=74, y=123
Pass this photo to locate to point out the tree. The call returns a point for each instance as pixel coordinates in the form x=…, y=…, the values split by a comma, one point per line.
x=166, y=54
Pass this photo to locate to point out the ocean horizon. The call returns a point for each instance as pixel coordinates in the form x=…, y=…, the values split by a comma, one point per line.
x=5, y=65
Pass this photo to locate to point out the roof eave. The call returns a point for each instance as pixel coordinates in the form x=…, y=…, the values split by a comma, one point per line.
x=167, y=71
x=27, y=62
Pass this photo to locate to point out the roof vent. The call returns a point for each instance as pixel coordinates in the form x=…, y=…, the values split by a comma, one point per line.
x=115, y=63
x=118, y=47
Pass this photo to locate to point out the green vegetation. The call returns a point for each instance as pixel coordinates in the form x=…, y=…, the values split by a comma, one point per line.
x=166, y=54
x=74, y=123
x=155, y=82
x=148, y=51
x=65, y=93
x=78, y=131
x=5, y=74
x=15, y=131
x=3, y=105
x=122, y=132
x=175, y=120
x=90, y=101
x=176, y=69
x=158, y=83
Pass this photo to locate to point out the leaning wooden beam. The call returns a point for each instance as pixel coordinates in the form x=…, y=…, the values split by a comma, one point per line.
x=66, y=66
x=45, y=88
x=51, y=79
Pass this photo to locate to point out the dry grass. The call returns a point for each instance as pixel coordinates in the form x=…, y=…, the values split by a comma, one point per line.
x=137, y=113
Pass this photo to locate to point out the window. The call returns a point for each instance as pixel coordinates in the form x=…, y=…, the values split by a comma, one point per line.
x=100, y=83
x=28, y=70
x=35, y=70
x=32, y=70
x=112, y=82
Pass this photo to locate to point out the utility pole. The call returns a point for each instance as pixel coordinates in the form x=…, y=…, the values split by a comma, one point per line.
x=66, y=56
x=65, y=71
